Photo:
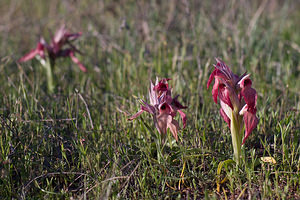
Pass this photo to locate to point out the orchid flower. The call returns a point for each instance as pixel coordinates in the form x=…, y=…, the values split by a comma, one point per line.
x=163, y=108
x=61, y=38
x=47, y=53
x=238, y=103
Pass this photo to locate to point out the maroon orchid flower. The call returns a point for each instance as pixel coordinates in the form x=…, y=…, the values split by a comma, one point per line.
x=55, y=49
x=237, y=100
x=163, y=108
x=162, y=86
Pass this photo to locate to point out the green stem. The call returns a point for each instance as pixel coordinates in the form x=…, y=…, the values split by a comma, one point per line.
x=48, y=66
x=236, y=136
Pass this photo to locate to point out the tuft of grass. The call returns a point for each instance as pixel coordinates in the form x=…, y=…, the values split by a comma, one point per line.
x=77, y=142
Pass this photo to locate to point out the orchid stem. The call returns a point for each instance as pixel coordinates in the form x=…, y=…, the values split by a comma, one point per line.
x=236, y=136
x=49, y=66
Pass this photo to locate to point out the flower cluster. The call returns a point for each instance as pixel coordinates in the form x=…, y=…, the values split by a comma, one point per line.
x=163, y=108
x=55, y=49
x=237, y=100
x=236, y=96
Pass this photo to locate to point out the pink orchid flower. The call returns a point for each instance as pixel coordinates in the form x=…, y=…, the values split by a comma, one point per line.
x=55, y=49
x=163, y=108
x=237, y=100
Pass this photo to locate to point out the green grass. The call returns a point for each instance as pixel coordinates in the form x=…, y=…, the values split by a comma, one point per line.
x=51, y=148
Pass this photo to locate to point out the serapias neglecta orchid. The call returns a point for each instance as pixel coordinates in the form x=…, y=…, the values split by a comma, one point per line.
x=163, y=108
x=55, y=49
x=238, y=103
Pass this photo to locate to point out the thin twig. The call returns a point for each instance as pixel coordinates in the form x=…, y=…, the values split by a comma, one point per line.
x=114, y=178
x=128, y=177
x=87, y=109
x=48, y=120
x=56, y=173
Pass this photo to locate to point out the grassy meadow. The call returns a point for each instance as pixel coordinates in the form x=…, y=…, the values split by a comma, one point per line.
x=76, y=143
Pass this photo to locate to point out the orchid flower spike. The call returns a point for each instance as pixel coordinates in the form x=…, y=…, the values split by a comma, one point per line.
x=237, y=100
x=163, y=108
x=61, y=38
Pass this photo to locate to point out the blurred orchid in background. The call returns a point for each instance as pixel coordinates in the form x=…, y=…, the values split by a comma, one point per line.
x=163, y=108
x=47, y=53
x=54, y=50
x=238, y=103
